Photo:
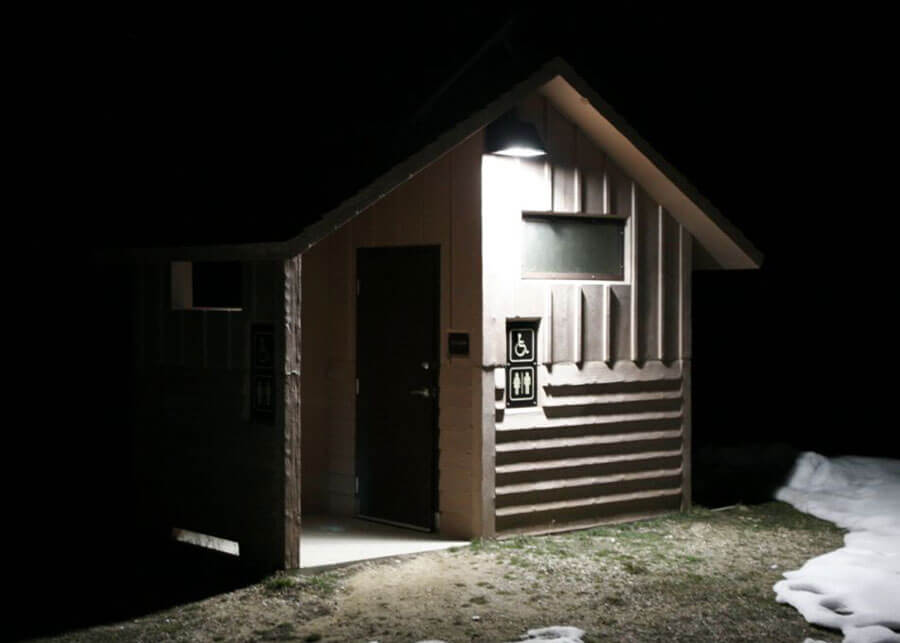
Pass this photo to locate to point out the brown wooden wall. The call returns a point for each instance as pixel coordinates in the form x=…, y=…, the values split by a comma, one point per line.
x=200, y=462
x=439, y=206
x=612, y=424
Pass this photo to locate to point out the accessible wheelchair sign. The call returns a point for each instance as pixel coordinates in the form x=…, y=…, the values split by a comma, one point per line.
x=521, y=369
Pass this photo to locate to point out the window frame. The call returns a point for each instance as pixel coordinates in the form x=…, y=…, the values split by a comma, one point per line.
x=181, y=289
x=621, y=276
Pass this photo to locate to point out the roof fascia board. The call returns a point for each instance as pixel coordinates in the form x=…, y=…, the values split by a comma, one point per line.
x=578, y=102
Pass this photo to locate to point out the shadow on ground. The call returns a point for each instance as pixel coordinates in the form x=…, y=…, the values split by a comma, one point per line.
x=748, y=474
x=96, y=587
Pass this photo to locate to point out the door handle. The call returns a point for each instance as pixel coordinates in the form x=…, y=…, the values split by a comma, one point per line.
x=422, y=392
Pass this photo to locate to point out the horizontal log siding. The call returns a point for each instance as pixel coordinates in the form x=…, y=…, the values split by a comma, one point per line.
x=439, y=206
x=607, y=440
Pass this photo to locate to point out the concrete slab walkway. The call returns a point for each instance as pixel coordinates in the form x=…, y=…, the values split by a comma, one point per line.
x=332, y=540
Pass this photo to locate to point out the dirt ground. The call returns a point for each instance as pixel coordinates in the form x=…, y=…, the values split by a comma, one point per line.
x=700, y=576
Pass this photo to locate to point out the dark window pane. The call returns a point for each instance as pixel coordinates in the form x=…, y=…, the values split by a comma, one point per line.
x=217, y=284
x=576, y=247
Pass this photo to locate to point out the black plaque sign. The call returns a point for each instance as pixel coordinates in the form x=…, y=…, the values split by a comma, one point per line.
x=458, y=343
x=262, y=373
x=521, y=368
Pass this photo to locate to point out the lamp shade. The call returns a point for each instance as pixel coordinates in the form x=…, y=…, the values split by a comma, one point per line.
x=510, y=136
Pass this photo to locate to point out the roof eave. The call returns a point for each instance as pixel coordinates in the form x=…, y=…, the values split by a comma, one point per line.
x=581, y=104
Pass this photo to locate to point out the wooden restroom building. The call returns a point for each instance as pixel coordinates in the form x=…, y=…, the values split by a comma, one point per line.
x=473, y=344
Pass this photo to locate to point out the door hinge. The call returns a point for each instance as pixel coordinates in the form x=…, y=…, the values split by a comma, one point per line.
x=356, y=485
x=357, y=287
x=357, y=386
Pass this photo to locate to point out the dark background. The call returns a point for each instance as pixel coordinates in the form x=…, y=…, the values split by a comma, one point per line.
x=157, y=129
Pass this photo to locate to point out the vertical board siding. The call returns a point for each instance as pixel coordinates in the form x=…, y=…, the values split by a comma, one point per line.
x=200, y=463
x=563, y=340
x=620, y=320
x=561, y=147
x=606, y=440
x=216, y=345
x=439, y=206
x=591, y=165
x=648, y=263
x=618, y=186
x=670, y=287
x=684, y=300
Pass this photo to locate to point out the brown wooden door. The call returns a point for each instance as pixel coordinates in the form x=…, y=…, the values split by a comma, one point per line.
x=397, y=369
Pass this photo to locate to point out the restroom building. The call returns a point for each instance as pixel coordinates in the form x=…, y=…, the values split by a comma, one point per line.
x=474, y=344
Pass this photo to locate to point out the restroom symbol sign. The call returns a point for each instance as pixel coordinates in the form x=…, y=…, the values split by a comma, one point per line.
x=522, y=385
x=521, y=345
x=521, y=362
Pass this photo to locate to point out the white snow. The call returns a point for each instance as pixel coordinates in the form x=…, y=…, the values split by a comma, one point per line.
x=555, y=634
x=855, y=589
x=552, y=634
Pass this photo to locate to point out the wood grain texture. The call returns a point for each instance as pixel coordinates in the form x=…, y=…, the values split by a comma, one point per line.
x=607, y=439
x=440, y=206
x=292, y=338
x=560, y=143
x=648, y=273
x=591, y=163
x=670, y=288
x=686, y=437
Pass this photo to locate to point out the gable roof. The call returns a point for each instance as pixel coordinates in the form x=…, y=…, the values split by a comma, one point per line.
x=574, y=98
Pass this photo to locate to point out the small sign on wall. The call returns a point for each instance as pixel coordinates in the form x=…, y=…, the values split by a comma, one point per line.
x=458, y=344
x=521, y=368
x=262, y=373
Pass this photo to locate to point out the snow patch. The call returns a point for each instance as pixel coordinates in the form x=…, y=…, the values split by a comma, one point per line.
x=555, y=634
x=552, y=634
x=855, y=589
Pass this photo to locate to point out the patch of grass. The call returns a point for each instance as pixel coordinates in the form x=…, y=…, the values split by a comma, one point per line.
x=518, y=561
x=321, y=585
x=281, y=632
x=696, y=576
x=634, y=568
x=279, y=583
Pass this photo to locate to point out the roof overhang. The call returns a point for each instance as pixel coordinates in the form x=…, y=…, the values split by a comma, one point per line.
x=718, y=236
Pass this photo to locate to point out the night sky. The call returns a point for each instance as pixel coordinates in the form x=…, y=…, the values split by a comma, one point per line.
x=149, y=129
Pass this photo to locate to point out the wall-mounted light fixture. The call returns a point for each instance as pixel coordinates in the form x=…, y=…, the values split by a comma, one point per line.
x=511, y=136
